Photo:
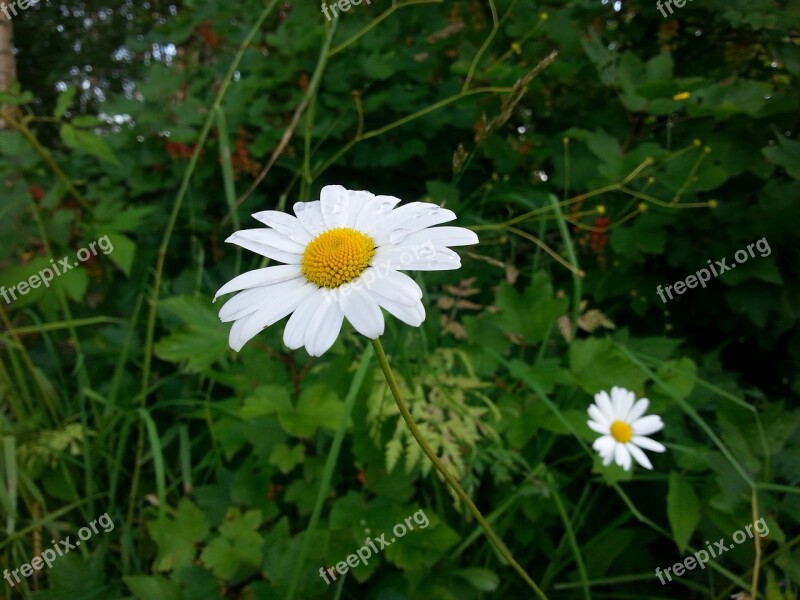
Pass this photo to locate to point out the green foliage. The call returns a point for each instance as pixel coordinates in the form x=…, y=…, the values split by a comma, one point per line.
x=647, y=149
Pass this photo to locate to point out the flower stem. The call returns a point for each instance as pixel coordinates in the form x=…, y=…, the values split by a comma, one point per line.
x=442, y=468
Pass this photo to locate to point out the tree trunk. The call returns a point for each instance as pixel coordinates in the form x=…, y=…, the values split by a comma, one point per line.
x=8, y=63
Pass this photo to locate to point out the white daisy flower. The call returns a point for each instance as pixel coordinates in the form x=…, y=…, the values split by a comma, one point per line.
x=623, y=428
x=342, y=256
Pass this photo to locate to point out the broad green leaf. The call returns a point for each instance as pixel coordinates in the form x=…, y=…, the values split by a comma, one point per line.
x=123, y=251
x=683, y=510
x=318, y=407
x=153, y=588
x=483, y=580
x=64, y=101
x=90, y=143
x=286, y=458
x=177, y=537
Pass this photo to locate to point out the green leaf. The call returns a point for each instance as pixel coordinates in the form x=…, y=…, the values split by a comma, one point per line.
x=177, y=537
x=483, y=580
x=238, y=548
x=64, y=101
x=203, y=342
x=286, y=458
x=683, y=510
x=123, y=250
x=533, y=313
x=786, y=154
x=597, y=365
x=318, y=407
x=153, y=588
x=90, y=143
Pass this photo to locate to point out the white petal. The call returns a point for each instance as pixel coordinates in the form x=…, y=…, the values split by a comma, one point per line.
x=269, y=243
x=391, y=284
x=295, y=332
x=648, y=444
x=310, y=216
x=639, y=456
x=647, y=425
x=410, y=314
x=377, y=209
x=637, y=411
x=622, y=400
x=259, y=277
x=249, y=301
x=285, y=224
x=604, y=404
x=416, y=258
x=245, y=329
x=335, y=204
x=360, y=308
x=622, y=457
x=407, y=219
x=359, y=201
x=604, y=445
x=608, y=458
x=324, y=327
x=443, y=236
x=599, y=428
x=597, y=414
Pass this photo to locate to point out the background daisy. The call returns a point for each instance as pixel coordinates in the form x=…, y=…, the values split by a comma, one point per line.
x=619, y=419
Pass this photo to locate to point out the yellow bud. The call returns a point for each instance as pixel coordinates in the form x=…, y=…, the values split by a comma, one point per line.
x=601, y=209
x=681, y=96
x=642, y=207
x=713, y=204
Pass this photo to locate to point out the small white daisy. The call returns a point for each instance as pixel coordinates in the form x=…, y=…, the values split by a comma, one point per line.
x=342, y=256
x=623, y=428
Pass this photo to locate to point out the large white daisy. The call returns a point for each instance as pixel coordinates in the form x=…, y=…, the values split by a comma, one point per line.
x=342, y=256
x=619, y=419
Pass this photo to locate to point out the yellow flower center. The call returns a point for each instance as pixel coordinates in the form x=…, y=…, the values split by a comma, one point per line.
x=336, y=257
x=621, y=432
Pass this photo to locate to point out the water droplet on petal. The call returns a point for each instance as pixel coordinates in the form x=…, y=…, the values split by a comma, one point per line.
x=299, y=207
x=384, y=207
x=434, y=210
x=399, y=235
x=429, y=253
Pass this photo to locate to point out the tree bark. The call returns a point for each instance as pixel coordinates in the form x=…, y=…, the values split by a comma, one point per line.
x=8, y=63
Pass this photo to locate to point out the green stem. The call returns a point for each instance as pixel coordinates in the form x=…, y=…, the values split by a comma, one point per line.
x=330, y=465
x=442, y=468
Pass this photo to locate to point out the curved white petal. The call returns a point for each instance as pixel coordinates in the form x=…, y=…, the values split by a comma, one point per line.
x=285, y=224
x=608, y=458
x=376, y=209
x=258, y=278
x=408, y=219
x=268, y=314
x=604, y=445
x=647, y=425
x=335, y=205
x=604, y=404
x=269, y=243
x=324, y=327
x=359, y=201
x=637, y=411
x=310, y=216
x=622, y=400
x=598, y=416
x=598, y=427
x=622, y=457
x=295, y=331
x=648, y=444
x=639, y=456
x=416, y=258
x=390, y=283
x=410, y=314
x=360, y=308
x=249, y=301
x=442, y=236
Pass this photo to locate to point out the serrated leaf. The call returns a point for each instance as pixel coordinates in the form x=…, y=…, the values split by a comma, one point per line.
x=123, y=251
x=64, y=101
x=683, y=510
x=153, y=588
x=90, y=143
x=177, y=537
